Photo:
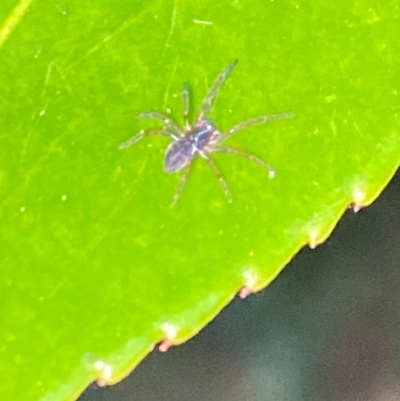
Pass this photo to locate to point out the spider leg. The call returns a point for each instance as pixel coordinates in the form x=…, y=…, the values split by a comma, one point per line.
x=185, y=98
x=253, y=121
x=219, y=175
x=247, y=155
x=182, y=183
x=168, y=121
x=142, y=134
x=208, y=101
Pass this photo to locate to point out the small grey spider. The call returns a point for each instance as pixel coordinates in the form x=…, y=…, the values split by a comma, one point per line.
x=202, y=137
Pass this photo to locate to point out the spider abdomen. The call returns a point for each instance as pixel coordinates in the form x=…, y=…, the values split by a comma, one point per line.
x=178, y=155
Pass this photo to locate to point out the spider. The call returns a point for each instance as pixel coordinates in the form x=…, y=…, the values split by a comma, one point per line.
x=201, y=138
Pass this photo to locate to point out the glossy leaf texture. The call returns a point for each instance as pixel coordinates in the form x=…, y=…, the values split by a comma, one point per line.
x=96, y=267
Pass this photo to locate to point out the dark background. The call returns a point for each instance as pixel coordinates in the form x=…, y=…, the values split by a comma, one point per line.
x=328, y=328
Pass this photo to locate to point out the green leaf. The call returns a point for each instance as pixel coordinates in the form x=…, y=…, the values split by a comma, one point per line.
x=96, y=266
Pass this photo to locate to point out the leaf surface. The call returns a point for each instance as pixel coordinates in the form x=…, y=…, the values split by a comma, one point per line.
x=96, y=266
